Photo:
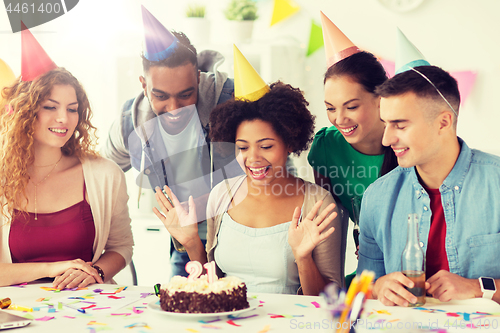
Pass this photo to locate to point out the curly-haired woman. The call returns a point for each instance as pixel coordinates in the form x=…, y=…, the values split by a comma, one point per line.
x=273, y=230
x=64, y=208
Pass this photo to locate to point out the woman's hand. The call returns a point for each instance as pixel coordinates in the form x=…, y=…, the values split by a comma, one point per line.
x=304, y=237
x=180, y=224
x=73, y=278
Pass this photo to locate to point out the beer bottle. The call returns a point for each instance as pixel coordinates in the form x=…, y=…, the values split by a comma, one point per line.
x=413, y=261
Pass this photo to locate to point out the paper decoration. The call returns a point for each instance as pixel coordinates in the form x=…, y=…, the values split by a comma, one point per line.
x=315, y=38
x=407, y=55
x=247, y=82
x=34, y=61
x=283, y=9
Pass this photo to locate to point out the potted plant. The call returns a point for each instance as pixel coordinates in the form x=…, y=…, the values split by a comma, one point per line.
x=241, y=14
x=197, y=27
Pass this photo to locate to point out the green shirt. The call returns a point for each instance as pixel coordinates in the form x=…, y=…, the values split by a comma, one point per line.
x=350, y=172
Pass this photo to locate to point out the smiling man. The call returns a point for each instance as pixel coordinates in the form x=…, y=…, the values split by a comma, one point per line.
x=454, y=190
x=163, y=132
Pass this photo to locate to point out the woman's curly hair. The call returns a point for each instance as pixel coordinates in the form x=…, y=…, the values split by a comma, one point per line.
x=19, y=104
x=284, y=107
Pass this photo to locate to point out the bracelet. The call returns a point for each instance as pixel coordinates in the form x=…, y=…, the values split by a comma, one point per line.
x=99, y=271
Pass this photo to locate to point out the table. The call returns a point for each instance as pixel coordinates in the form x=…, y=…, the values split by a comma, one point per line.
x=434, y=316
x=276, y=313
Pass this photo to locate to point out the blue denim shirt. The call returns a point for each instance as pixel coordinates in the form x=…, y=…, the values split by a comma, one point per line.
x=470, y=196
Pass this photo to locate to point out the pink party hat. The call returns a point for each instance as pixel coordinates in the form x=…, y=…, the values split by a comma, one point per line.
x=34, y=61
x=337, y=45
x=159, y=43
x=408, y=56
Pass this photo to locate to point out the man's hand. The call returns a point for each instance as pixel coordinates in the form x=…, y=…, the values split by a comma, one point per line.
x=446, y=286
x=390, y=290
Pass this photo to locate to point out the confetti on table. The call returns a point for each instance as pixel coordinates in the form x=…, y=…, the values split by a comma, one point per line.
x=97, y=291
x=107, y=307
x=45, y=318
x=135, y=310
x=208, y=321
x=48, y=288
x=465, y=314
x=92, y=330
x=115, y=297
x=89, y=302
x=134, y=325
x=392, y=321
x=452, y=314
x=237, y=318
x=230, y=322
x=52, y=310
x=89, y=307
x=316, y=304
x=76, y=298
x=20, y=285
x=265, y=329
x=119, y=290
x=93, y=322
x=383, y=312
x=301, y=305
x=43, y=299
x=70, y=317
x=144, y=295
x=121, y=314
x=191, y=330
x=277, y=316
x=211, y=326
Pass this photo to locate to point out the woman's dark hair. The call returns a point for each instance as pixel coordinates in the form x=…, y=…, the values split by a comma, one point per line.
x=364, y=68
x=284, y=107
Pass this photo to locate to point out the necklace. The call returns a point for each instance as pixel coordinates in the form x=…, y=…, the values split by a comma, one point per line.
x=55, y=165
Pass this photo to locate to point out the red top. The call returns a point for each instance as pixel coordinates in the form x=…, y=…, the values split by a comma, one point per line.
x=436, y=258
x=64, y=235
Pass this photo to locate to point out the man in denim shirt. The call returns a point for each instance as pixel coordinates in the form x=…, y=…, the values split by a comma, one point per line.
x=455, y=191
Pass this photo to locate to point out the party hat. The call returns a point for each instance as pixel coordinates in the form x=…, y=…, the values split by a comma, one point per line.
x=408, y=56
x=248, y=84
x=34, y=61
x=337, y=45
x=159, y=43
x=6, y=75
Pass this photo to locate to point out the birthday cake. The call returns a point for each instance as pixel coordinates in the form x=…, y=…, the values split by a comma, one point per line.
x=199, y=296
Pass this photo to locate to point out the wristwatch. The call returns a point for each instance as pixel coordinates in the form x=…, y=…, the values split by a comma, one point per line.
x=488, y=287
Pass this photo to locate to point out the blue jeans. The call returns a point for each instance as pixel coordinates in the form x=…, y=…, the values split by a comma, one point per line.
x=178, y=260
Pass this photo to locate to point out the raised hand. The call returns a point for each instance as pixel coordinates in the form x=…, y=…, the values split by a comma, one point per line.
x=304, y=237
x=180, y=224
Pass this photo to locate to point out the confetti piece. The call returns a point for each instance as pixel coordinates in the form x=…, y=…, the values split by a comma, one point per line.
x=92, y=330
x=89, y=307
x=208, y=321
x=88, y=302
x=27, y=316
x=380, y=321
x=191, y=330
x=107, y=307
x=316, y=304
x=115, y=297
x=211, y=326
x=20, y=285
x=466, y=315
x=383, y=312
x=76, y=298
x=93, y=322
x=52, y=310
x=392, y=321
x=237, y=318
x=452, y=314
x=138, y=325
x=69, y=317
x=59, y=306
x=265, y=329
x=45, y=318
x=230, y=322
x=277, y=316
x=298, y=316
x=144, y=295
x=301, y=305
x=97, y=291
x=135, y=310
x=119, y=290
x=40, y=299
x=121, y=314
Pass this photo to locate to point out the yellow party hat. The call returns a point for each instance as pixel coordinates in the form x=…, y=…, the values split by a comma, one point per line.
x=337, y=45
x=248, y=85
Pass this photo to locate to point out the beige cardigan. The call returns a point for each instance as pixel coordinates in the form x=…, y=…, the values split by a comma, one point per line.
x=107, y=193
x=329, y=255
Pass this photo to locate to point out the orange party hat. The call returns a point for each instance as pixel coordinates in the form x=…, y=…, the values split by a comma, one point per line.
x=337, y=45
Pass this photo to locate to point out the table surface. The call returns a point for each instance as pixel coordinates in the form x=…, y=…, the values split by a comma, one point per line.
x=128, y=311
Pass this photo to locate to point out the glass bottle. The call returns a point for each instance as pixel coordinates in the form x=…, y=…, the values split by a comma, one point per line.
x=413, y=261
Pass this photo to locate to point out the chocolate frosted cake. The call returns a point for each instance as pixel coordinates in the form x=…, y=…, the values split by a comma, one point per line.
x=199, y=296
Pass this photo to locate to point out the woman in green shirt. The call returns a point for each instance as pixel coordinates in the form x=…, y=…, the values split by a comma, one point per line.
x=348, y=156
